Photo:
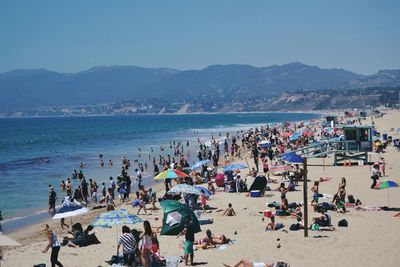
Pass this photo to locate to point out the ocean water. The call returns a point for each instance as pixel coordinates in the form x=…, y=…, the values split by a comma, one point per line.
x=35, y=152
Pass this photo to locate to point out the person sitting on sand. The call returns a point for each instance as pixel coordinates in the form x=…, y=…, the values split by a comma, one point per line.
x=297, y=213
x=247, y=263
x=340, y=205
x=229, y=211
x=324, y=220
x=273, y=225
x=78, y=239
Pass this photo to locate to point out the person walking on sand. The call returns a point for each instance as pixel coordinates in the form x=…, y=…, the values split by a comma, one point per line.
x=53, y=244
x=147, y=243
x=188, y=231
x=374, y=175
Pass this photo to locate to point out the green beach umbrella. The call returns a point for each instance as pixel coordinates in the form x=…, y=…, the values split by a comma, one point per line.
x=386, y=184
x=174, y=215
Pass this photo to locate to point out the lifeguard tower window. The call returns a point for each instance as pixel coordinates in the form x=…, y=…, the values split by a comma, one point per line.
x=351, y=134
x=364, y=135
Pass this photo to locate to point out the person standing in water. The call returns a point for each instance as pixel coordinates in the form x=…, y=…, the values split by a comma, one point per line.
x=52, y=200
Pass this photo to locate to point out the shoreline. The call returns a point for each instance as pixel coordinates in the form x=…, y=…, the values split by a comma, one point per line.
x=18, y=223
x=41, y=214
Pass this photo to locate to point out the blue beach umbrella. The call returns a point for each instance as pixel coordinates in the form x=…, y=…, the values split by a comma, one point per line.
x=265, y=144
x=200, y=163
x=203, y=190
x=293, y=158
x=234, y=167
x=295, y=136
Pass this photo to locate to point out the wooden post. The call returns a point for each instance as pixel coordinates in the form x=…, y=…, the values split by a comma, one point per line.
x=305, y=202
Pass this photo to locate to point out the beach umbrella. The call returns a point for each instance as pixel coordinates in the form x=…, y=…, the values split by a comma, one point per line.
x=69, y=209
x=280, y=168
x=294, y=136
x=265, y=144
x=293, y=158
x=200, y=163
x=308, y=133
x=386, y=184
x=234, y=167
x=203, y=190
x=174, y=217
x=115, y=217
x=184, y=188
x=6, y=241
x=170, y=173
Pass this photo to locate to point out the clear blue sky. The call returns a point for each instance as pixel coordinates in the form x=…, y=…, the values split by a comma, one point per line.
x=362, y=36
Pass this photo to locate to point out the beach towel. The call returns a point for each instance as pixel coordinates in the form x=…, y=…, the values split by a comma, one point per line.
x=172, y=261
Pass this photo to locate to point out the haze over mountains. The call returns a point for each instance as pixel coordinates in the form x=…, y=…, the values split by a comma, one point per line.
x=34, y=88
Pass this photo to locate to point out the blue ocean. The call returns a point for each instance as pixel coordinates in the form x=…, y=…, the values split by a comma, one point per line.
x=36, y=152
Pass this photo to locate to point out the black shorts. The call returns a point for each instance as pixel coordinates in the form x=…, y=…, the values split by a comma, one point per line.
x=129, y=259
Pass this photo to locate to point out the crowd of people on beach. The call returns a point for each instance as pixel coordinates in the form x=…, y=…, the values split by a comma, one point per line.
x=263, y=145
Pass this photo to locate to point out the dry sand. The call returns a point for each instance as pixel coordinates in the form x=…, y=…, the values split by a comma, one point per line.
x=372, y=238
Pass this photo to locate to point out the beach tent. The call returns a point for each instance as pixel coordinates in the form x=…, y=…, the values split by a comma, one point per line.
x=260, y=182
x=174, y=217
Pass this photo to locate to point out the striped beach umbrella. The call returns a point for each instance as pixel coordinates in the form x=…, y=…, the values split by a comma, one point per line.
x=280, y=168
x=184, y=188
x=170, y=174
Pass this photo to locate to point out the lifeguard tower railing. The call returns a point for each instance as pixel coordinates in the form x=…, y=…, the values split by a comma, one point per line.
x=342, y=150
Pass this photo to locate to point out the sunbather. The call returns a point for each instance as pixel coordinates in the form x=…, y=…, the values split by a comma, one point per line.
x=273, y=225
x=247, y=263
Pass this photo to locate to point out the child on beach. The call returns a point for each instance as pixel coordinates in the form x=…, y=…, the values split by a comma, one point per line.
x=188, y=231
x=203, y=201
x=229, y=211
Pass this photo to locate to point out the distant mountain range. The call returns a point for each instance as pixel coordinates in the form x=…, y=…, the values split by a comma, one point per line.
x=37, y=88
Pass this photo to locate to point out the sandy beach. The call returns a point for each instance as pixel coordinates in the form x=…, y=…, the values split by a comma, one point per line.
x=371, y=239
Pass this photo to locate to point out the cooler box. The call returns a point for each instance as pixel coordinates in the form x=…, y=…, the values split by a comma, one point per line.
x=255, y=193
x=267, y=213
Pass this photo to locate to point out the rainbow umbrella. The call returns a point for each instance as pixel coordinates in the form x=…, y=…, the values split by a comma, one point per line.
x=171, y=174
x=386, y=184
